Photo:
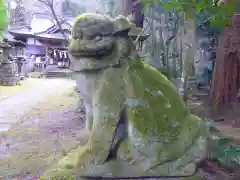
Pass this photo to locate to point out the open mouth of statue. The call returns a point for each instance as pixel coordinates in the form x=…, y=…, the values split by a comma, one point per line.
x=93, y=52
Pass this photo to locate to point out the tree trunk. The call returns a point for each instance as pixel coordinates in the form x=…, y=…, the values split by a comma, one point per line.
x=189, y=45
x=226, y=74
x=226, y=70
x=189, y=52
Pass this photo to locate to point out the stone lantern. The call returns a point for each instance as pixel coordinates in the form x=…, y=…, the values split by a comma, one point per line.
x=4, y=52
x=8, y=75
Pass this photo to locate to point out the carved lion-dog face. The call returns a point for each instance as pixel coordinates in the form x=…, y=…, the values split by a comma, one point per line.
x=99, y=41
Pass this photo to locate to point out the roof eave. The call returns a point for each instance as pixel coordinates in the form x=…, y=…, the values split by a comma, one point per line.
x=21, y=34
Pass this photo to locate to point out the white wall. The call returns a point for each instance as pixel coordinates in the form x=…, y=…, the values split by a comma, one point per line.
x=32, y=41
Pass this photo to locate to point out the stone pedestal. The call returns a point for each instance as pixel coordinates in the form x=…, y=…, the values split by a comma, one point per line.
x=8, y=76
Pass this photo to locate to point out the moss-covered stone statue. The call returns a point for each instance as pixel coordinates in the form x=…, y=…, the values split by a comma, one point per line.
x=137, y=123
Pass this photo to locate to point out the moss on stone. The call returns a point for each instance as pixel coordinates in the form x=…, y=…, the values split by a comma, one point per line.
x=163, y=106
x=85, y=16
x=121, y=23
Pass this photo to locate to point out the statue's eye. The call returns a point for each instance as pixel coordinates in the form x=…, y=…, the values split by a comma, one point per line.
x=98, y=38
x=77, y=34
x=106, y=34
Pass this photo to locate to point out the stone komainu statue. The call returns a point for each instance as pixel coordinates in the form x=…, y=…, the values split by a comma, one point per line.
x=137, y=123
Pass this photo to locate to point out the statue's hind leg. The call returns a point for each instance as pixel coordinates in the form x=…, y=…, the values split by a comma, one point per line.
x=88, y=123
x=91, y=159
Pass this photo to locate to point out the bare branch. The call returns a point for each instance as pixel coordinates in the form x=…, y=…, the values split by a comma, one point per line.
x=17, y=13
x=43, y=1
x=50, y=5
x=49, y=2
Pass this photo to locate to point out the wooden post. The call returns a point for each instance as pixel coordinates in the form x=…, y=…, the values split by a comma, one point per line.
x=46, y=55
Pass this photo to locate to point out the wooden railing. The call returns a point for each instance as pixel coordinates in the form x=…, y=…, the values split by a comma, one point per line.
x=40, y=66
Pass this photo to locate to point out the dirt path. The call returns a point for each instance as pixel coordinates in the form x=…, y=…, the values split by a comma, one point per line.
x=40, y=127
x=25, y=85
x=14, y=108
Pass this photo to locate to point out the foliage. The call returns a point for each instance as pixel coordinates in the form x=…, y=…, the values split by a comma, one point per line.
x=50, y=4
x=3, y=17
x=220, y=12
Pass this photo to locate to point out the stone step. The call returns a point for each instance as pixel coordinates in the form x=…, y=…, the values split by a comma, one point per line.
x=34, y=76
x=204, y=88
x=54, y=74
x=192, y=78
x=198, y=94
x=192, y=82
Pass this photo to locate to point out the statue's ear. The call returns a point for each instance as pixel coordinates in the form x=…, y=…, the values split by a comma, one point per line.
x=136, y=31
x=124, y=27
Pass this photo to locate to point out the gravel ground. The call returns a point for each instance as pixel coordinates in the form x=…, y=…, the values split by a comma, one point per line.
x=37, y=128
x=14, y=108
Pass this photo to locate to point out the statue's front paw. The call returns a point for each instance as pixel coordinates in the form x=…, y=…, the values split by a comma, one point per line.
x=91, y=155
x=64, y=167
